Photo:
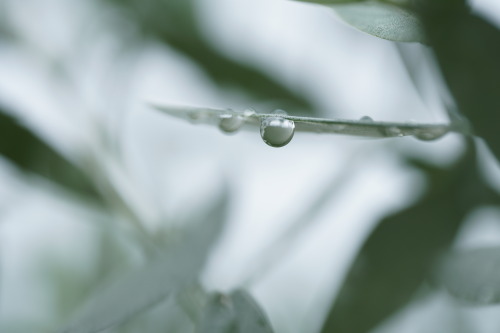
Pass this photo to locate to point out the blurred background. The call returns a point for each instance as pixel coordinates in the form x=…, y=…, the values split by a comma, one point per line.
x=83, y=74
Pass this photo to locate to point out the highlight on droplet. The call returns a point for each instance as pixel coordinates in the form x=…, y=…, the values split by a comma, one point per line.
x=277, y=131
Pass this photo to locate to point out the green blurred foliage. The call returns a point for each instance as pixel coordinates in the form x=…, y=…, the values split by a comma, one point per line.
x=175, y=23
x=467, y=48
x=398, y=254
x=470, y=275
x=171, y=271
x=30, y=153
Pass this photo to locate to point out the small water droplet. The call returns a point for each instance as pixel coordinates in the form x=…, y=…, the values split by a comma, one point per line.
x=230, y=123
x=249, y=112
x=393, y=131
x=194, y=116
x=277, y=131
x=280, y=112
x=366, y=119
x=430, y=134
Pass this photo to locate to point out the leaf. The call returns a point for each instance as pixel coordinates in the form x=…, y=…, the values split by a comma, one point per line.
x=467, y=48
x=472, y=275
x=365, y=127
x=236, y=312
x=398, y=254
x=174, y=270
x=382, y=20
x=30, y=153
x=392, y=21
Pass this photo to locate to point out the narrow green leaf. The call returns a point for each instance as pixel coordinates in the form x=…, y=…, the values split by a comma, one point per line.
x=236, y=312
x=397, y=256
x=382, y=20
x=364, y=127
x=467, y=48
x=471, y=276
x=27, y=151
x=168, y=274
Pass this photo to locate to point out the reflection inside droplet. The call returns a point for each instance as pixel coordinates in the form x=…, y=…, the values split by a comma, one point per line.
x=230, y=123
x=393, y=131
x=277, y=131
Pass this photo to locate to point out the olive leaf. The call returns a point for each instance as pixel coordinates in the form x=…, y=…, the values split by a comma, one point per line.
x=230, y=121
x=395, y=20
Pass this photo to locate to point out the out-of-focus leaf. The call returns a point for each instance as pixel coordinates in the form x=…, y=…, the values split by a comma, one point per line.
x=467, y=48
x=398, y=254
x=171, y=272
x=236, y=312
x=27, y=151
x=394, y=21
x=471, y=275
x=382, y=20
x=175, y=22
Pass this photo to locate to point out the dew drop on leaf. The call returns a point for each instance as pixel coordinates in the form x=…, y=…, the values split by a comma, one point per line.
x=277, y=131
x=366, y=119
x=230, y=123
x=430, y=135
x=279, y=112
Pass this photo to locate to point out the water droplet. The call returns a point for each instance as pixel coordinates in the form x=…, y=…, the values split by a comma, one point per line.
x=280, y=112
x=430, y=134
x=194, y=116
x=277, y=131
x=366, y=119
x=249, y=112
x=230, y=123
x=393, y=131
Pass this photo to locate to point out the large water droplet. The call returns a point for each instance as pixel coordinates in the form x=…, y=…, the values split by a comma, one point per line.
x=230, y=123
x=366, y=119
x=277, y=131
